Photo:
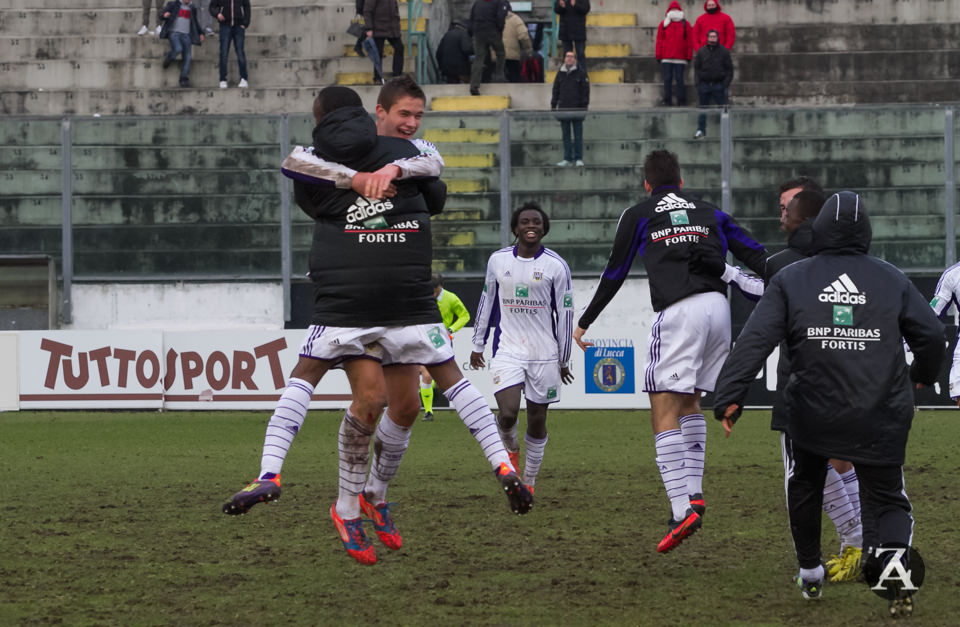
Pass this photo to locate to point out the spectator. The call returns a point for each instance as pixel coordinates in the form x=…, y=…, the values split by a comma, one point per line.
x=714, y=19
x=712, y=72
x=487, y=18
x=573, y=27
x=571, y=90
x=205, y=17
x=234, y=18
x=382, y=18
x=516, y=45
x=674, y=49
x=182, y=28
x=146, y=17
x=453, y=54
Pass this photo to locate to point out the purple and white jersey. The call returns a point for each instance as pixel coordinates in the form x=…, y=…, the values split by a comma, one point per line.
x=948, y=290
x=528, y=303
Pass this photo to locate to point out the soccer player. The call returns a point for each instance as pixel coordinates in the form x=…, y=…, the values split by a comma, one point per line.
x=690, y=336
x=948, y=291
x=370, y=263
x=455, y=317
x=842, y=314
x=841, y=500
x=528, y=301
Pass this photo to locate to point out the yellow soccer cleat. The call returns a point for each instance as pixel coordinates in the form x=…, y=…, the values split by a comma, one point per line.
x=846, y=566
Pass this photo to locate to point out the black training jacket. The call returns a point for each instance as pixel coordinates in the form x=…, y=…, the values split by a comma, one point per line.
x=842, y=313
x=662, y=230
x=370, y=260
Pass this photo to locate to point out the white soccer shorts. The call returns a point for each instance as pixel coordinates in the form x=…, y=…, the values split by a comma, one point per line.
x=540, y=380
x=688, y=342
x=427, y=344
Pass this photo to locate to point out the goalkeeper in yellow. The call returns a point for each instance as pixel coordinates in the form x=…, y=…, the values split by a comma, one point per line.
x=455, y=317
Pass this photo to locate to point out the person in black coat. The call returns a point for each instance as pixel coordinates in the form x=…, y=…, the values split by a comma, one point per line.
x=234, y=19
x=573, y=27
x=453, y=54
x=712, y=73
x=486, y=26
x=843, y=315
x=571, y=90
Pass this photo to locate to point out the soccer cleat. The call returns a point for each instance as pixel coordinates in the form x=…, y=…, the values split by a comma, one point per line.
x=846, y=566
x=809, y=589
x=354, y=538
x=382, y=523
x=514, y=459
x=519, y=495
x=263, y=490
x=680, y=530
x=901, y=605
x=697, y=504
x=428, y=417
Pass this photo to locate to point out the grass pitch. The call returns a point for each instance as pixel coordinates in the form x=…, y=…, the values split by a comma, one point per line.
x=113, y=518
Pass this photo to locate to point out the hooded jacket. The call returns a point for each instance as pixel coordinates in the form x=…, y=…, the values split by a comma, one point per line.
x=370, y=260
x=842, y=314
x=454, y=51
x=720, y=22
x=235, y=12
x=571, y=88
x=573, y=20
x=713, y=65
x=674, y=35
x=382, y=17
x=516, y=38
x=488, y=16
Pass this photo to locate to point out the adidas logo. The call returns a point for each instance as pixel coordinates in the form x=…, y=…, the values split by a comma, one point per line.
x=674, y=377
x=364, y=208
x=671, y=201
x=842, y=291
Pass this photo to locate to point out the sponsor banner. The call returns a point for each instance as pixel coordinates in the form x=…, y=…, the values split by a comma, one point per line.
x=173, y=370
x=610, y=367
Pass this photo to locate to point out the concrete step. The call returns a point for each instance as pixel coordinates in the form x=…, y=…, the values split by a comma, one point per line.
x=130, y=46
x=302, y=19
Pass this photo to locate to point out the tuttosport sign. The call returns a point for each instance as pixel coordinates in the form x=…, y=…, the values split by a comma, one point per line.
x=158, y=369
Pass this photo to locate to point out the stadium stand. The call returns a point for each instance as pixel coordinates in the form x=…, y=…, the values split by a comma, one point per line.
x=183, y=182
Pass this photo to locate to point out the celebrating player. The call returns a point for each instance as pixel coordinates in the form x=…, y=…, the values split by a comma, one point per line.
x=528, y=300
x=690, y=336
x=392, y=301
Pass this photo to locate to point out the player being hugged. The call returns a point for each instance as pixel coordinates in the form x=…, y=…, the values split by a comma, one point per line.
x=528, y=300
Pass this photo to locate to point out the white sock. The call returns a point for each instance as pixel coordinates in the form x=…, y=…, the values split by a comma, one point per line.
x=670, y=456
x=509, y=438
x=476, y=415
x=390, y=442
x=287, y=418
x=533, y=459
x=354, y=448
x=837, y=506
x=852, y=486
x=812, y=574
x=694, y=429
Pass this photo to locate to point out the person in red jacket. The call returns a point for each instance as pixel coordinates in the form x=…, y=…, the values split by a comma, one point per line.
x=714, y=19
x=674, y=51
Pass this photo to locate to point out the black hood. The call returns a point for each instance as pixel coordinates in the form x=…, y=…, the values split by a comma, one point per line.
x=345, y=134
x=802, y=238
x=842, y=227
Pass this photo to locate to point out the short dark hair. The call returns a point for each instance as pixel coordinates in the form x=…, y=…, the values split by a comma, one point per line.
x=398, y=87
x=530, y=205
x=661, y=167
x=808, y=203
x=332, y=98
x=804, y=182
x=436, y=280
